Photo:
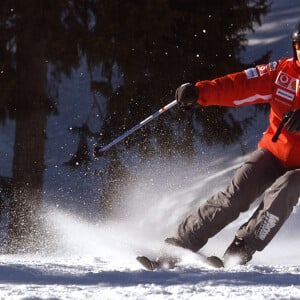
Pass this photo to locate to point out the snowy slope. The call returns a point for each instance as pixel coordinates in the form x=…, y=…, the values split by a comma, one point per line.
x=97, y=261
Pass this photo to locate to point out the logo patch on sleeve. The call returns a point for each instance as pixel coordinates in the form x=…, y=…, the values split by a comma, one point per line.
x=273, y=65
x=251, y=73
x=262, y=69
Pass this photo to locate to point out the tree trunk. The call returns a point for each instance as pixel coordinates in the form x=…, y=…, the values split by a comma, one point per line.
x=28, y=166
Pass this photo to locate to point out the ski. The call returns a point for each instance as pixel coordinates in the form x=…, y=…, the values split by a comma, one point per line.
x=167, y=262
x=164, y=262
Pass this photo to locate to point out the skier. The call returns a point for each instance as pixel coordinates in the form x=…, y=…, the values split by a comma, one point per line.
x=272, y=169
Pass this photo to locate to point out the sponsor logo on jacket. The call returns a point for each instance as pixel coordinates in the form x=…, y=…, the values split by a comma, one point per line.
x=287, y=81
x=286, y=86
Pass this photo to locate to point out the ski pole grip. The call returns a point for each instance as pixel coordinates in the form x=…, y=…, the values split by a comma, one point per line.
x=277, y=133
x=285, y=118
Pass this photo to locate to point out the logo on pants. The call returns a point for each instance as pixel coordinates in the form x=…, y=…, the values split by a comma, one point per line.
x=267, y=224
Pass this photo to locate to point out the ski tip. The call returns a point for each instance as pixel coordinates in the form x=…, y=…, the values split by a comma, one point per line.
x=215, y=262
x=146, y=263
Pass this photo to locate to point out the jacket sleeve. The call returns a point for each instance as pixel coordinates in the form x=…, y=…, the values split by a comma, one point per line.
x=251, y=86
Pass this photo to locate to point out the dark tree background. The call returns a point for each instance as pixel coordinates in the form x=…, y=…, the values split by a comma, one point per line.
x=144, y=49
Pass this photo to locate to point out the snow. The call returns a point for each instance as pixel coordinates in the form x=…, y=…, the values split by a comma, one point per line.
x=97, y=260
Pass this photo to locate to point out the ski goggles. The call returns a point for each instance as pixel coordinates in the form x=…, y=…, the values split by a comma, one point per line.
x=296, y=45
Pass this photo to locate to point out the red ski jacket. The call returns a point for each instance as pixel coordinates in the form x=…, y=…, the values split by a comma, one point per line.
x=276, y=83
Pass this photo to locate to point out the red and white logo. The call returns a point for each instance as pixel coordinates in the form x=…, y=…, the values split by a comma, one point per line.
x=286, y=81
x=262, y=69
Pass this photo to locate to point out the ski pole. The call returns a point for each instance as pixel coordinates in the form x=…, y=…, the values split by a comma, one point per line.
x=98, y=151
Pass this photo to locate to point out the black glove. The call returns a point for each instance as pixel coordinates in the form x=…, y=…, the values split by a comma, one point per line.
x=293, y=121
x=187, y=94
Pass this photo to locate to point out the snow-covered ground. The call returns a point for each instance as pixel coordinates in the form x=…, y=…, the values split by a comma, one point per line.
x=97, y=261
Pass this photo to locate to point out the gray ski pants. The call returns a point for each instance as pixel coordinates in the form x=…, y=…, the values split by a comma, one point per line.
x=261, y=173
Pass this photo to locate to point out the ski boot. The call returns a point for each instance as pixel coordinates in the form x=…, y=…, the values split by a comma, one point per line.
x=240, y=250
